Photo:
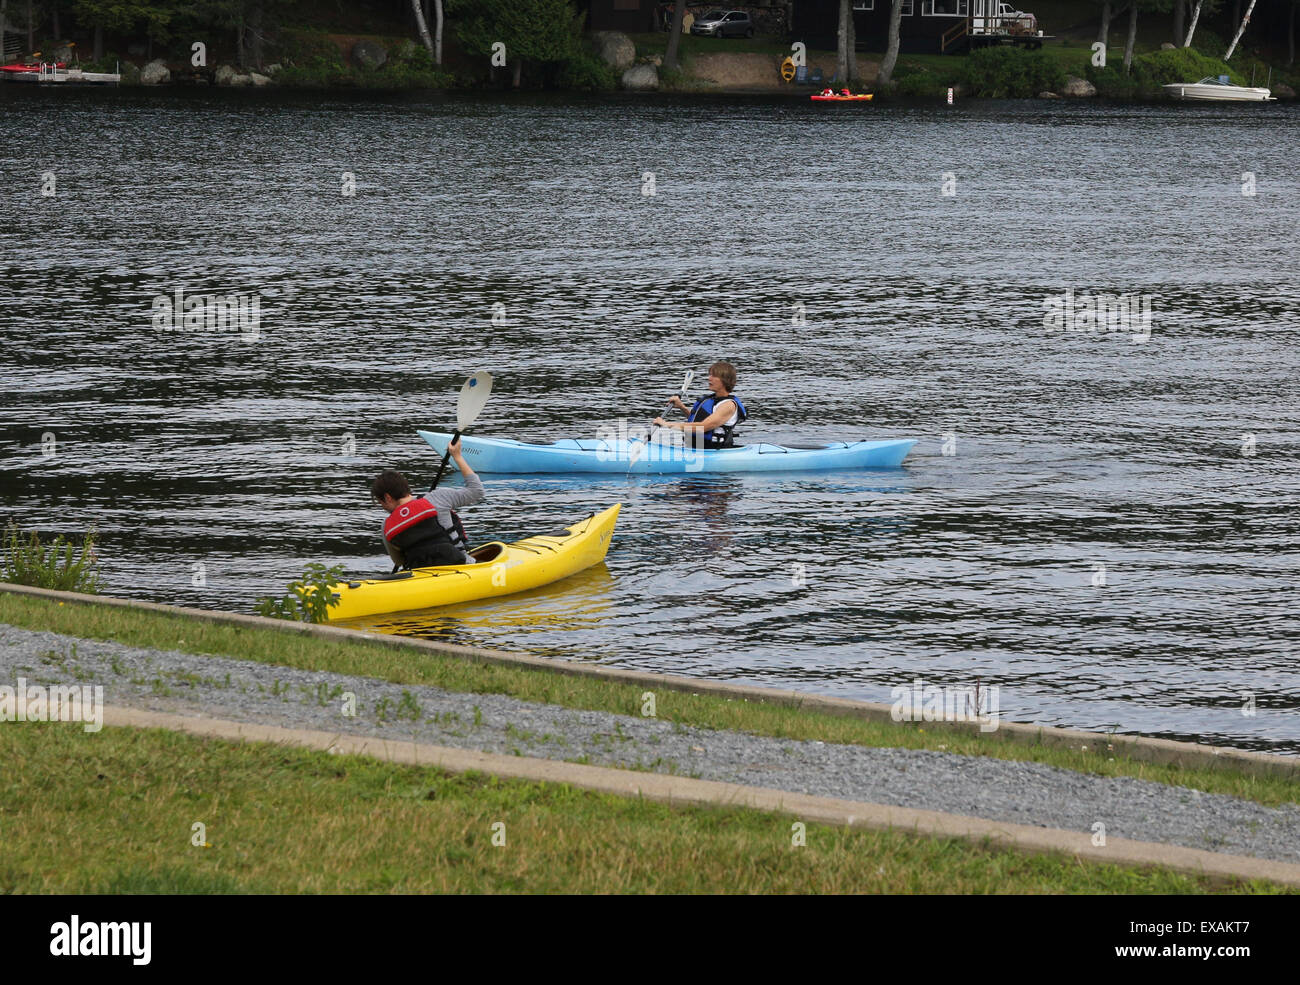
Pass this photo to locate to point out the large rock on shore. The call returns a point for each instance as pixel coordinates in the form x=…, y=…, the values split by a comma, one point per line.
x=259, y=80
x=641, y=77
x=155, y=73
x=369, y=54
x=1283, y=91
x=1075, y=86
x=224, y=74
x=614, y=48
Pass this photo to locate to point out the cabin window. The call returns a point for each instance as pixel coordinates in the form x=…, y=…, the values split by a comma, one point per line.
x=864, y=4
x=945, y=8
x=907, y=8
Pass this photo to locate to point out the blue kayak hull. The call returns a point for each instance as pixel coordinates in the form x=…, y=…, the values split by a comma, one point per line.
x=622, y=456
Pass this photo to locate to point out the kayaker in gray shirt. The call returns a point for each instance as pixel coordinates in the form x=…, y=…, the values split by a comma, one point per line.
x=425, y=531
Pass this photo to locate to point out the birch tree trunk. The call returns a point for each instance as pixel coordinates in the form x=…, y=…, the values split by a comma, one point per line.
x=1196, y=15
x=1240, y=29
x=891, y=52
x=852, y=48
x=422, y=27
x=1132, y=37
x=841, y=58
x=437, y=32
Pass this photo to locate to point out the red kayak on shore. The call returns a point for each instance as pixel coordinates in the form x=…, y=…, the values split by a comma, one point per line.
x=862, y=98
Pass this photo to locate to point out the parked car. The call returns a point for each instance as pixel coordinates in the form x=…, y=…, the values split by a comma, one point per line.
x=724, y=24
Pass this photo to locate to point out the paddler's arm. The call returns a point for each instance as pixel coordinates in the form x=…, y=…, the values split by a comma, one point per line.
x=719, y=417
x=471, y=494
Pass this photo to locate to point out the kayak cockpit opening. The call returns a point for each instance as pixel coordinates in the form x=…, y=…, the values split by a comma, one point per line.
x=488, y=552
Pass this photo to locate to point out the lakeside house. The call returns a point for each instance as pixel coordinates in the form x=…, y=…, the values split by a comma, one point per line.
x=951, y=26
x=628, y=16
x=934, y=26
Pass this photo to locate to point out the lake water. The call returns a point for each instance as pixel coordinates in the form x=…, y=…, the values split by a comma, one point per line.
x=1103, y=526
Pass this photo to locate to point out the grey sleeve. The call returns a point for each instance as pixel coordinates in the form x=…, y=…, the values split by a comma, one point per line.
x=456, y=498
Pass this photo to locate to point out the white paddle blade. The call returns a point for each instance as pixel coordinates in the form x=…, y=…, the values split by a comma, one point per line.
x=473, y=397
x=638, y=449
x=686, y=383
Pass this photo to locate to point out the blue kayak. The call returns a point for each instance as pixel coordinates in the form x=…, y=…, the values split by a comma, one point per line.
x=623, y=456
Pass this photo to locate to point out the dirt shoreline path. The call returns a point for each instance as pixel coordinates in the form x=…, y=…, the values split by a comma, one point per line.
x=751, y=72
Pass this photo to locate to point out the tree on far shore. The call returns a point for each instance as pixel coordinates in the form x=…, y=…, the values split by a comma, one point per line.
x=434, y=44
x=123, y=15
x=1240, y=28
x=531, y=30
x=845, y=55
x=1201, y=6
x=891, y=52
x=674, y=37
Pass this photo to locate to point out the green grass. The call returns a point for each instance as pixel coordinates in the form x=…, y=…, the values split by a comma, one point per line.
x=116, y=813
x=417, y=667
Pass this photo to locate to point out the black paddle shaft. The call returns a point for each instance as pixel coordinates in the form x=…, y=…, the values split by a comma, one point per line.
x=442, y=467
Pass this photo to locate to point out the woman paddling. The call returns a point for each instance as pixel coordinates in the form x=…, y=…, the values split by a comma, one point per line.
x=713, y=418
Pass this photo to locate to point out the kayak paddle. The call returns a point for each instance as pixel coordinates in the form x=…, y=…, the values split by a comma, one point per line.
x=473, y=397
x=641, y=449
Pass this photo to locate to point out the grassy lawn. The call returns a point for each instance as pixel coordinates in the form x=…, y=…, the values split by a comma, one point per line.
x=413, y=666
x=115, y=812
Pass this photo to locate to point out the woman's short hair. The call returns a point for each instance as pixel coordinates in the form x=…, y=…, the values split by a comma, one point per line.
x=726, y=373
x=392, y=483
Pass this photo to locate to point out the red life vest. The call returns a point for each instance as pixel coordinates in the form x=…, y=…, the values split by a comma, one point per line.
x=408, y=515
x=414, y=528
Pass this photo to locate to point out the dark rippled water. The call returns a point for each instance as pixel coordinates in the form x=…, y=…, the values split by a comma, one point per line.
x=1071, y=455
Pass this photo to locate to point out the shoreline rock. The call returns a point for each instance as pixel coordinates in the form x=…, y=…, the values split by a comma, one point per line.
x=155, y=73
x=1078, y=88
x=615, y=49
x=641, y=78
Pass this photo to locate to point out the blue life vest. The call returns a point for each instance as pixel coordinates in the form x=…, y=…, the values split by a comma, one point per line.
x=720, y=437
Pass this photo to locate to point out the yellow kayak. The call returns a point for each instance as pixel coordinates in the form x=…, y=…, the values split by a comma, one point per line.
x=500, y=569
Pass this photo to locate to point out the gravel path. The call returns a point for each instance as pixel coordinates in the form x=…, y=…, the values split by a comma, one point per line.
x=1024, y=793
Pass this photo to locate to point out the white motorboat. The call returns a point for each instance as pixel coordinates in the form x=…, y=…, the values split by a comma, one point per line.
x=1219, y=90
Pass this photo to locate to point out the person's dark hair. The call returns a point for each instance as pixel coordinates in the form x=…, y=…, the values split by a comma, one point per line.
x=726, y=373
x=392, y=483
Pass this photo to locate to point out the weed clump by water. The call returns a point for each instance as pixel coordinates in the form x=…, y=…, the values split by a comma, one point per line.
x=58, y=565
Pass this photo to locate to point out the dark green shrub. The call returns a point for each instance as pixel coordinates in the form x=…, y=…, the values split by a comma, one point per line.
x=917, y=81
x=1001, y=73
x=1207, y=42
x=584, y=70
x=1153, y=70
x=1158, y=68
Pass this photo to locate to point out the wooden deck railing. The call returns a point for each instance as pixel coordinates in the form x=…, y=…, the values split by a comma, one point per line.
x=954, y=34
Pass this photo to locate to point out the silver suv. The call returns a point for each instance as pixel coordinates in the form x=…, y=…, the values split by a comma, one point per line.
x=724, y=23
